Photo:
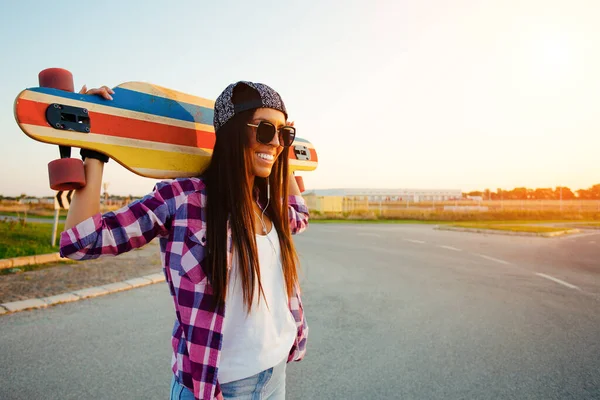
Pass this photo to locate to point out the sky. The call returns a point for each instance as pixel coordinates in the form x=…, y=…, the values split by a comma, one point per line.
x=430, y=94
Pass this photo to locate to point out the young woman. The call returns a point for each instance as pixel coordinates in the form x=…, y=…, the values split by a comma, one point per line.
x=226, y=248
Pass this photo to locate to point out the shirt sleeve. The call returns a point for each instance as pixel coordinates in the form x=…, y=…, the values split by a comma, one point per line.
x=117, y=232
x=298, y=214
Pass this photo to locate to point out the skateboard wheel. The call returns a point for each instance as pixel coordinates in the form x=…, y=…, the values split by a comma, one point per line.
x=66, y=174
x=57, y=78
x=300, y=183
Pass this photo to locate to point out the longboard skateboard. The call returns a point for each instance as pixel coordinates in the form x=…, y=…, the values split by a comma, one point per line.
x=151, y=130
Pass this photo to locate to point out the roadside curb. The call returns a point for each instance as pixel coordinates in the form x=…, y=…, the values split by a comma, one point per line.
x=31, y=260
x=81, y=294
x=508, y=233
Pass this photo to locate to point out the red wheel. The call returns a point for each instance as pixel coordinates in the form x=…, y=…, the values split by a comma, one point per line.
x=57, y=78
x=66, y=174
x=300, y=183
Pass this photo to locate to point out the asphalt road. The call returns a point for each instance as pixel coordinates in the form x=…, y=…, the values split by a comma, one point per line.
x=395, y=312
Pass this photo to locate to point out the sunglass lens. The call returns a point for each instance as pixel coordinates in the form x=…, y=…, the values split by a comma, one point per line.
x=265, y=132
x=288, y=134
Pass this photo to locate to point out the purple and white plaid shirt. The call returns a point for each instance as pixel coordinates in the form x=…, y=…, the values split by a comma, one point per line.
x=175, y=212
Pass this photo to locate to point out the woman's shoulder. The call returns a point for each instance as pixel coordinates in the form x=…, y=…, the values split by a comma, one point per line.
x=183, y=186
x=181, y=191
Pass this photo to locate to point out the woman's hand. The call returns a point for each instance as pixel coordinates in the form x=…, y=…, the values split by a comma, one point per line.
x=104, y=91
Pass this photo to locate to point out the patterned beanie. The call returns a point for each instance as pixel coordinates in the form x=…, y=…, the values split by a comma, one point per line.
x=265, y=97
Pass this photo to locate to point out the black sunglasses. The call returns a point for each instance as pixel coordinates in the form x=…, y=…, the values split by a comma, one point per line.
x=265, y=131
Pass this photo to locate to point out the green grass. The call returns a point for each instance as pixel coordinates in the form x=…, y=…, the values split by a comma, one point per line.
x=547, y=221
x=17, y=240
x=511, y=228
x=373, y=221
x=438, y=222
x=592, y=224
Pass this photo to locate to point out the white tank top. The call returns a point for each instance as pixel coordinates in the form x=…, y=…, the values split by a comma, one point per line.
x=262, y=339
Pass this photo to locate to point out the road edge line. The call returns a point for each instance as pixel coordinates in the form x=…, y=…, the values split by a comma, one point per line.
x=559, y=281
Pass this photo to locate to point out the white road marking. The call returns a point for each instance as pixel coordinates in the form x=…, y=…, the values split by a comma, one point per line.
x=450, y=248
x=494, y=259
x=580, y=235
x=415, y=241
x=557, y=281
x=368, y=234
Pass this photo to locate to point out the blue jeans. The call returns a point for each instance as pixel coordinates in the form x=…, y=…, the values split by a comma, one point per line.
x=266, y=385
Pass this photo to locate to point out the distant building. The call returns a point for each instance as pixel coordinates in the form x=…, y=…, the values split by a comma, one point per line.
x=475, y=198
x=29, y=200
x=414, y=195
x=336, y=200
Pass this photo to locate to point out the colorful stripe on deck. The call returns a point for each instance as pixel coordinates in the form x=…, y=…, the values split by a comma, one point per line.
x=130, y=100
x=156, y=90
x=33, y=113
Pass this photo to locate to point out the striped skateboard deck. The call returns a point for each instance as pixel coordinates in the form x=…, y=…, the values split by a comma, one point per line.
x=151, y=130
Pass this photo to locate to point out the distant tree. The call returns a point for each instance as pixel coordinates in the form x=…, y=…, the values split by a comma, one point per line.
x=584, y=194
x=542, y=194
x=486, y=194
x=595, y=192
x=592, y=193
x=499, y=195
x=563, y=192
x=518, y=193
x=523, y=193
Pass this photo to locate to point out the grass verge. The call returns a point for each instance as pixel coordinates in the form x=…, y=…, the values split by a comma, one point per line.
x=18, y=239
x=374, y=221
x=438, y=215
x=588, y=224
x=509, y=228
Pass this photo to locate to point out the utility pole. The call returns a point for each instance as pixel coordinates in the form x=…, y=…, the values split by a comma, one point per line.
x=561, y=199
x=105, y=185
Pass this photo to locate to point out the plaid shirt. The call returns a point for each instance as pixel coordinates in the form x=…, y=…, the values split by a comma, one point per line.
x=175, y=212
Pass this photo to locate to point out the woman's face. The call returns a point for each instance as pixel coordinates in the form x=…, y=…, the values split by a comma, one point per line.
x=263, y=156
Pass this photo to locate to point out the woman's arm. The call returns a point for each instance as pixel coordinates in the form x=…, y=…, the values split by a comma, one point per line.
x=117, y=232
x=297, y=209
x=88, y=234
x=293, y=188
x=86, y=201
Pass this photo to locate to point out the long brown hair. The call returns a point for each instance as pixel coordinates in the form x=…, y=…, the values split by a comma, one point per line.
x=230, y=197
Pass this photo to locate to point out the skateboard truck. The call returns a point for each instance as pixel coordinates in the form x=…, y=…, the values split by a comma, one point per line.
x=66, y=173
x=302, y=152
x=68, y=118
